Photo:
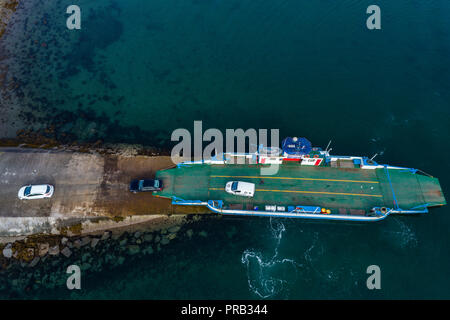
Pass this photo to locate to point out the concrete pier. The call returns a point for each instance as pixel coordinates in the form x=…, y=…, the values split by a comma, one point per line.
x=87, y=186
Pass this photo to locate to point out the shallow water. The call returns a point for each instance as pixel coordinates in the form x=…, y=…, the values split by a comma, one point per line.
x=137, y=70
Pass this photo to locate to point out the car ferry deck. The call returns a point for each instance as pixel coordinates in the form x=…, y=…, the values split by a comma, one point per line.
x=361, y=191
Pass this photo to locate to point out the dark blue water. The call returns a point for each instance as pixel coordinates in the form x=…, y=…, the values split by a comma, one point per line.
x=137, y=70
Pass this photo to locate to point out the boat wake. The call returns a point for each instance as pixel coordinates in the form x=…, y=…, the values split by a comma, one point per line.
x=270, y=277
x=402, y=235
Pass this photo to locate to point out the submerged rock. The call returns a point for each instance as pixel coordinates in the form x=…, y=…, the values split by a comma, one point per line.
x=34, y=261
x=174, y=229
x=85, y=266
x=7, y=251
x=190, y=233
x=203, y=234
x=165, y=240
x=85, y=241
x=148, y=250
x=172, y=236
x=86, y=257
x=77, y=244
x=43, y=249
x=133, y=249
x=53, y=251
x=94, y=242
x=66, y=252
x=106, y=235
x=148, y=237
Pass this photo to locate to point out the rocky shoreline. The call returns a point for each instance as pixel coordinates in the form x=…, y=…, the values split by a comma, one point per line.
x=47, y=139
x=40, y=262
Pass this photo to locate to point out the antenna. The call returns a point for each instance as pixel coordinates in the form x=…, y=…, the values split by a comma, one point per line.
x=326, y=149
x=374, y=156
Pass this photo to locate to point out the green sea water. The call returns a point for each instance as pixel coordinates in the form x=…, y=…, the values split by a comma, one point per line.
x=137, y=70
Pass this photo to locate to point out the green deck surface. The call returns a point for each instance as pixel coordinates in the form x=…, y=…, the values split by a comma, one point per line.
x=334, y=188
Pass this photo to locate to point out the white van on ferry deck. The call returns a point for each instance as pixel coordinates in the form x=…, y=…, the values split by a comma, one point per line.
x=240, y=188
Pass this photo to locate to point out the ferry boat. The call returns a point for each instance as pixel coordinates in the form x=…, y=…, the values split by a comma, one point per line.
x=310, y=183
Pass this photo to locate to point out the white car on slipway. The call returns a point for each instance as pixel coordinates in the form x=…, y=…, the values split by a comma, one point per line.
x=39, y=191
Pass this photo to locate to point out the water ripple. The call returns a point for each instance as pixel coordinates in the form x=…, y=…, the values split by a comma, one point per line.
x=270, y=277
